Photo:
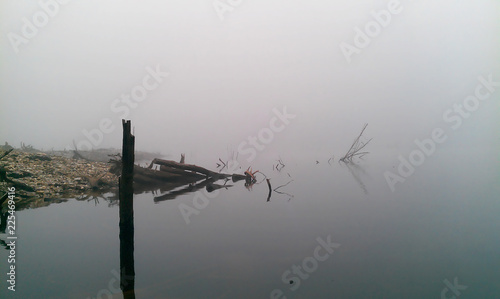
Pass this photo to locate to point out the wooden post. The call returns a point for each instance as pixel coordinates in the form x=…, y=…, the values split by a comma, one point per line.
x=127, y=269
x=127, y=177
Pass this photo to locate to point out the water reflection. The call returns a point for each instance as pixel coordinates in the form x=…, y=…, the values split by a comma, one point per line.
x=174, y=192
x=4, y=245
x=290, y=196
x=171, y=191
x=3, y=226
x=3, y=222
x=127, y=265
x=243, y=246
x=111, y=198
x=355, y=170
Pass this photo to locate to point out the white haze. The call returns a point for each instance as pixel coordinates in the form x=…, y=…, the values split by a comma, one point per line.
x=225, y=77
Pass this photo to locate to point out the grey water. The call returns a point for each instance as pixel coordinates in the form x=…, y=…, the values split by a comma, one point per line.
x=334, y=231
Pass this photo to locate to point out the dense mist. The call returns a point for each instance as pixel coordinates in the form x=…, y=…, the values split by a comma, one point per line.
x=205, y=77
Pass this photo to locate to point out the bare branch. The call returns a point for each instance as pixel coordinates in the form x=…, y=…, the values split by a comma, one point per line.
x=355, y=149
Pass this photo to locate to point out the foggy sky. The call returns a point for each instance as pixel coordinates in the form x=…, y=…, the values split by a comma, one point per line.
x=225, y=77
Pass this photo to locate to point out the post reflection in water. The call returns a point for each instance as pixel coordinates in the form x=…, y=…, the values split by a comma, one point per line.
x=3, y=226
x=127, y=269
x=3, y=222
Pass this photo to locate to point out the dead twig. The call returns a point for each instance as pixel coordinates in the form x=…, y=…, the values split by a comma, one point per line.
x=280, y=165
x=250, y=179
x=270, y=190
x=276, y=189
x=284, y=193
x=224, y=165
x=260, y=172
x=355, y=149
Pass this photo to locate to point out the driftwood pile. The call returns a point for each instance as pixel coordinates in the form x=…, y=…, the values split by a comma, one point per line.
x=168, y=174
x=38, y=175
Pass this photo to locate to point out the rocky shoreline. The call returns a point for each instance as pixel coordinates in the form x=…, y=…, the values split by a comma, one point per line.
x=38, y=175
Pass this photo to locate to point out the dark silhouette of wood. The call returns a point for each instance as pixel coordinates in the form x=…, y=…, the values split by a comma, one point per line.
x=147, y=176
x=126, y=194
x=270, y=190
x=184, y=173
x=186, y=189
x=3, y=198
x=189, y=167
x=127, y=266
x=3, y=223
x=6, y=153
x=127, y=175
x=238, y=177
x=13, y=182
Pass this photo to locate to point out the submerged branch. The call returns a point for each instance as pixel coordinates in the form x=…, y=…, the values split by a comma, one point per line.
x=275, y=190
x=270, y=190
x=280, y=165
x=356, y=147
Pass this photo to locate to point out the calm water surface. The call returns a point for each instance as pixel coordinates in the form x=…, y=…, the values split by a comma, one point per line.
x=439, y=226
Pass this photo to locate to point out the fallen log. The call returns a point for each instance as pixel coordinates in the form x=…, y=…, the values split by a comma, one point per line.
x=187, y=173
x=213, y=187
x=151, y=176
x=238, y=177
x=190, y=167
x=171, y=175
